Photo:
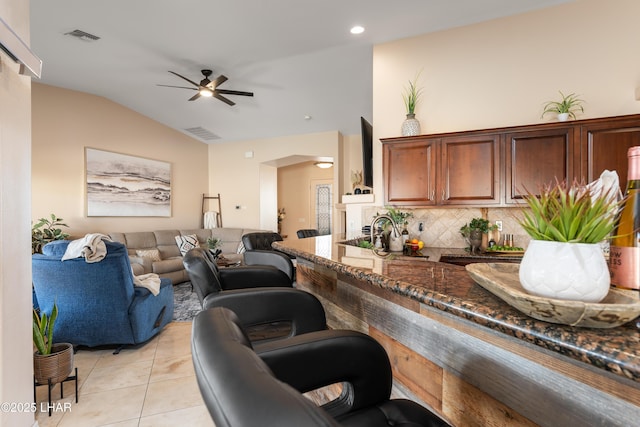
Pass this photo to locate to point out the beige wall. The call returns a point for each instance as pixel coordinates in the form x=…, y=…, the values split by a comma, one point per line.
x=65, y=122
x=251, y=182
x=16, y=361
x=294, y=194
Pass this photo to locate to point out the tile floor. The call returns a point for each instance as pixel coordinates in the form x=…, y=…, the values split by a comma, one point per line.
x=149, y=385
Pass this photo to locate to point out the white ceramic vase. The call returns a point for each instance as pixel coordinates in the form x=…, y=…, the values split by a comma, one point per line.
x=567, y=271
x=563, y=117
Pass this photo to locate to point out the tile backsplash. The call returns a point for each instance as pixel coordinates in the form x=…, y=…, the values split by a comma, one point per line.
x=441, y=226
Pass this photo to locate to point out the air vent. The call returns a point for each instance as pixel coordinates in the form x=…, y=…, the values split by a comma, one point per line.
x=82, y=35
x=202, y=133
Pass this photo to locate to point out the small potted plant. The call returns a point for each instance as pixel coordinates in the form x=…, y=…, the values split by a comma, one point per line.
x=564, y=108
x=45, y=231
x=411, y=126
x=567, y=223
x=213, y=243
x=473, y=232
x=51, y=361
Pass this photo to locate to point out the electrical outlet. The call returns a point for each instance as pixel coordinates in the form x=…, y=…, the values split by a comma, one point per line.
x=499, y=224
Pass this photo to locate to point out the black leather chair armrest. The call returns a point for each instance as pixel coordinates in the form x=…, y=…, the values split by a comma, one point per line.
x=317, y=359
x=268, y=305
x=273, y=258
x=253, y=276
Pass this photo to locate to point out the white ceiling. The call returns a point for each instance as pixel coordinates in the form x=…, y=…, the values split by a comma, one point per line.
x=297, y=56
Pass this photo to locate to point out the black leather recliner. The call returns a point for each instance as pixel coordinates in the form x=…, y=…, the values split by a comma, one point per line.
x=263, y=387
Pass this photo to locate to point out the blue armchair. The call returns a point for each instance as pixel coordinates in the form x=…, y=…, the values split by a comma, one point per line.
x=98, y=303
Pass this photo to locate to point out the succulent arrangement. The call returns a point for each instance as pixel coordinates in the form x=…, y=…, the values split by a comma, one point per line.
x=570, y=213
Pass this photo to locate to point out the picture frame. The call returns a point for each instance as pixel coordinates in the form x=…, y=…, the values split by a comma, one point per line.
x=124, y=185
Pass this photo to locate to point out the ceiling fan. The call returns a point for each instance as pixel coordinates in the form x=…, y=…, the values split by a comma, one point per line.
x=208, y=88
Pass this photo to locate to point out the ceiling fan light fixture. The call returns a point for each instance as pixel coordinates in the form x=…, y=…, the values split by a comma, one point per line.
x=323, y=165
x=204, y=91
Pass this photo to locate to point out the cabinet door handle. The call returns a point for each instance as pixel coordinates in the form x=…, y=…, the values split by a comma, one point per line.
x=443, y=194
x=433, y=194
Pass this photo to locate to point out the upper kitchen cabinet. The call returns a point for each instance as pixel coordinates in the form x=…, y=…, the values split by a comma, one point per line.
x=604, y=145
x=427, y=171
x=499, y=166
x=469, y=170
x=409, y=170
x=537, y=157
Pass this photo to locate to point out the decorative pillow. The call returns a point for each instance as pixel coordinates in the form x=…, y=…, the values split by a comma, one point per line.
x=186, y=243
x=152, y=254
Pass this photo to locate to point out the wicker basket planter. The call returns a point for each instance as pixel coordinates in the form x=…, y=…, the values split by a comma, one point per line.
x=56, y=366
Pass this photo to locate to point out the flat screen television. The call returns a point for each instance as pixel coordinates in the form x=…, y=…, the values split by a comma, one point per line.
x=367, y=152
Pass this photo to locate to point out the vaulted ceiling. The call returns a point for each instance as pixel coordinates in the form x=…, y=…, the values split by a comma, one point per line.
x=307, y=72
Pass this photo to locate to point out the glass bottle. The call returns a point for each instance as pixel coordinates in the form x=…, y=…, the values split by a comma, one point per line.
x=405, y=234
x=624, y=253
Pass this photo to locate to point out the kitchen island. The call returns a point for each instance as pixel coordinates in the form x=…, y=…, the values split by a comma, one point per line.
x=464, y=352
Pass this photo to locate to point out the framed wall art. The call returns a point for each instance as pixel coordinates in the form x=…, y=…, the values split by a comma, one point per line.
x=124, y=185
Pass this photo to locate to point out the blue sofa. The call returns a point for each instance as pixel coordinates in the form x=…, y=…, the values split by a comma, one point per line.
x=98, y=303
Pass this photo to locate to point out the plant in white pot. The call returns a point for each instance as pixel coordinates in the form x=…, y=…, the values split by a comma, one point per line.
x=565, y=259
x=411, y=126
x=565, y=108
x=51, y=361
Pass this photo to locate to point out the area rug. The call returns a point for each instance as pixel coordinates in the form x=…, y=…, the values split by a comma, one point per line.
x=185, y=303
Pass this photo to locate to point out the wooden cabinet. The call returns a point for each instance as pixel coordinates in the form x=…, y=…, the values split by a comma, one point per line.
x=604, y=145
x=448, y=171
x=410, y=172
x=469, y=170
x=536, y=157
x=496, y=167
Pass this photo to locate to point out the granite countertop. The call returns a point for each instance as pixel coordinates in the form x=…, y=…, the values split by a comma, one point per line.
x=450, y=288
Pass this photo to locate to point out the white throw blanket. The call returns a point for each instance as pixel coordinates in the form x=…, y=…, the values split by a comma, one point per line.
x=210, y=219
x=150, y=281
x=91, y=247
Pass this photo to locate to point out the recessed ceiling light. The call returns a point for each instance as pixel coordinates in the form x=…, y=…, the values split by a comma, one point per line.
x=357, y=30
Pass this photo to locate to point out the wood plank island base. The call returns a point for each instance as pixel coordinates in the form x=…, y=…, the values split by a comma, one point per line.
x=464, y=352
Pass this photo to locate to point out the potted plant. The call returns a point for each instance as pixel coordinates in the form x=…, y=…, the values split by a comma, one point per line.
x=51, y=361
x=213, y=243
x=45, y=231
x=565, y=260
x=473, y=232
x=565, y=108
x=411, y=94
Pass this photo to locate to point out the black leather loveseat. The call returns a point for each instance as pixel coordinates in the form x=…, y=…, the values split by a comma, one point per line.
x=248, y=387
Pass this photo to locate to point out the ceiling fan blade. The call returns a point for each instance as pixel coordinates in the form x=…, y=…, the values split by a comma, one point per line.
x=194, y=97
x=218, y=81
x=234, y=92
x=182, y=77
x=179, y=87
x=223, y=99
